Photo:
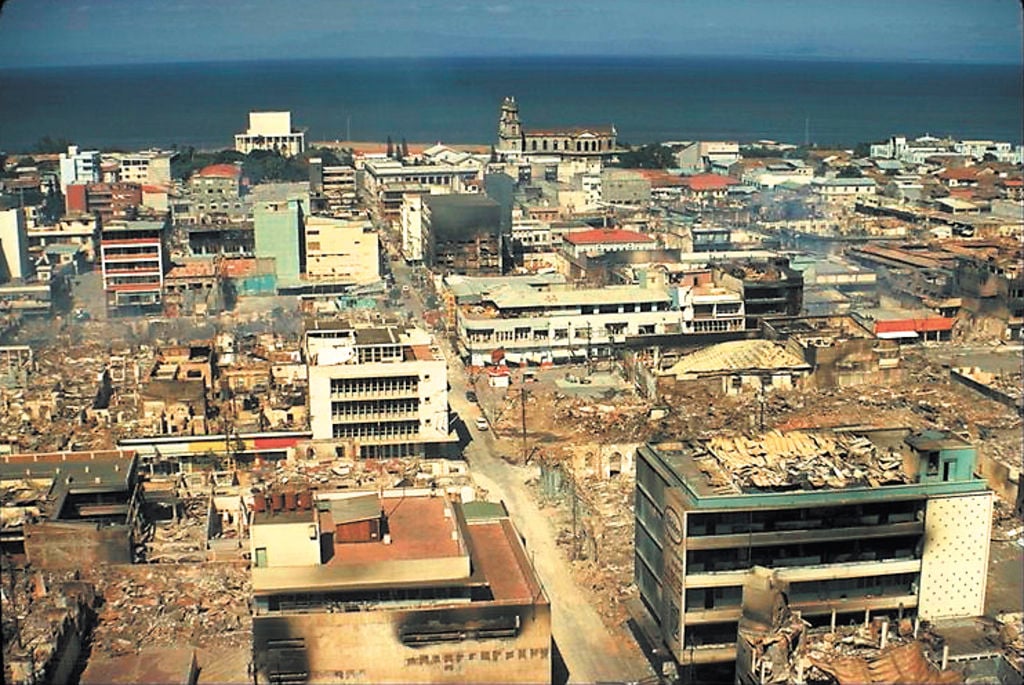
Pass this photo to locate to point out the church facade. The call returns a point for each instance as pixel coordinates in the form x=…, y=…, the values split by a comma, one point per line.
x=576, y=141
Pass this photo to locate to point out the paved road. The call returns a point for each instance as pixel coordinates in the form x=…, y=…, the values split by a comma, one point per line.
x=590, y=651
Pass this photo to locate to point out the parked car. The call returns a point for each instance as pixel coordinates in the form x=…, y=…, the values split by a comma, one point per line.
x=481, y=423
x=471, y=396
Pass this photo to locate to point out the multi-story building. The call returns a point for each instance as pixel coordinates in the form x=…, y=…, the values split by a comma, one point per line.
x=412, y=228
x=710, y=309
x=768, y=289
x=334, y=187
x=146, y=167
x=384, y=182
x=271, y=131
x=575, y=141
x=383, y=389
x=15, y=262
x=215, y=196
x=106, y=200
x=394, y=586
x=81, y=230
x=133, y=260
x=462, y=234
x=857, y=521
x=78, y=166
x=279, y=235
x=533, y=325
x=341, y=251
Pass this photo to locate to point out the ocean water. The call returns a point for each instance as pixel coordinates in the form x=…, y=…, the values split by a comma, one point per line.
x=457, y=100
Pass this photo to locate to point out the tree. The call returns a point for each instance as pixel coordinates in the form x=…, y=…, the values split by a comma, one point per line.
x=48, y=146
x=651, y=156
x=390, y=150
x=405, y=148
x=861, y=150
x=494, y=155
x=849, y=171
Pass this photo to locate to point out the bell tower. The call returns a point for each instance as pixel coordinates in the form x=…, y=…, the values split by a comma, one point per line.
x=510, y=134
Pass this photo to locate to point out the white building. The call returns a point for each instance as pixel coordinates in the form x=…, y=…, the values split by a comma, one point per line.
x=78, y=166
x=709, y=309
x=788, y=171
x=707, y=155
x=977, y=149
x=601, y=240
x=383, y=388
x=412, y=228
x=15, y=263
x=271, y=131
x=843, y=188
x=533, y=325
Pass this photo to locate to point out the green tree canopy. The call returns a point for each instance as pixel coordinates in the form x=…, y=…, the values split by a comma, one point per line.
x=651, y=156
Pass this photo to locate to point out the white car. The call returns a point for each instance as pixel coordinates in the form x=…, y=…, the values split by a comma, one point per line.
x=481, y=423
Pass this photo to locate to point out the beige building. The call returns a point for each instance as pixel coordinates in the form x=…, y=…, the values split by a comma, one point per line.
x=394, y=586
x=860, y=522
x=271, y=131
x=341, y=250
x=383, y=388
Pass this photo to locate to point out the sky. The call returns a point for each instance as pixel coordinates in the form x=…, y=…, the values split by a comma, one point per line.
x=85, y=32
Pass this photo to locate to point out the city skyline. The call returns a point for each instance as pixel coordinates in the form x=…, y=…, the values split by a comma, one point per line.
x=49, y=33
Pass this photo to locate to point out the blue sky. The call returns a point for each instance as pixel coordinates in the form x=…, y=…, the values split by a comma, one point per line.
x=63, y=32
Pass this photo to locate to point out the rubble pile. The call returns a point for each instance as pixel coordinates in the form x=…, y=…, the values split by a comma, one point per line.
x=43, y=613
x=1011, y=635
x=781, y=460
x=169, y=605
x=357, y=474
x=182, y=540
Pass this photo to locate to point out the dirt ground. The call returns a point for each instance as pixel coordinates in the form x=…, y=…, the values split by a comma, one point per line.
x=598, y=534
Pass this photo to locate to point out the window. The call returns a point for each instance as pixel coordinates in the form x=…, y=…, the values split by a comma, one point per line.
x=261, y=557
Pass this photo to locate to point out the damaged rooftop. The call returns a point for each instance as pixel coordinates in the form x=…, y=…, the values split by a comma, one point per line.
x=815, y=460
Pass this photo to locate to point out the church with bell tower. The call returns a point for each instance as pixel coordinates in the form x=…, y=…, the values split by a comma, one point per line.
x=577, y=141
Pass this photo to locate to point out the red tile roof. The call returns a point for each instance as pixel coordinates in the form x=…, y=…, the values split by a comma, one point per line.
x=960, y=174
x=221, y=171
x=709, y=182
x=607, y=235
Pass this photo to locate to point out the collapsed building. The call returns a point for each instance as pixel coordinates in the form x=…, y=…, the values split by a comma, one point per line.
x=69, y=509
x=858, y=521
x=394, y=585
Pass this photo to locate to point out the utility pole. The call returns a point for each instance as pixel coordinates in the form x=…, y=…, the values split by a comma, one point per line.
x=522, y=398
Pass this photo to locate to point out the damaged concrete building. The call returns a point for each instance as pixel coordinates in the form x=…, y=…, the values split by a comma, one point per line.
x=840, y=351
x=855, y=520
x=70, y=509
x=383, y=387
x=389, y=586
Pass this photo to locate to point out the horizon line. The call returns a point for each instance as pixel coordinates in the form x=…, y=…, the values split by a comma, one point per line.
x=526, y=58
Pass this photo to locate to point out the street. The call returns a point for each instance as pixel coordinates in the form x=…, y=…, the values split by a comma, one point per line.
x=590, y=651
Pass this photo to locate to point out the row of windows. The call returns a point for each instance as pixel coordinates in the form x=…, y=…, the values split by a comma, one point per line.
x=405, y=429
x=369, y=386
x=581, y=145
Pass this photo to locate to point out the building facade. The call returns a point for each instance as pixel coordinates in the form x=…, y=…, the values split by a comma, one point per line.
x=577, y=141
x=533, y=326
x=78, y=166
x=271, y=131
x=341, y=251
x=394, y=586
x=385, y=389
x=134, y=260
x=873, y=521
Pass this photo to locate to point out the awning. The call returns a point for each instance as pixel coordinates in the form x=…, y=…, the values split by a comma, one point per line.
x=560, y=354
x=897, y=335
